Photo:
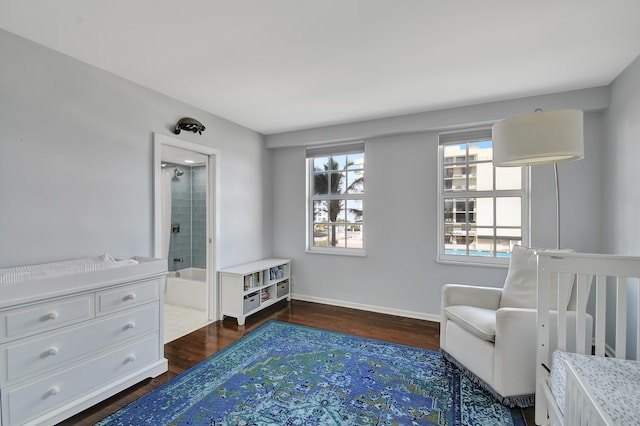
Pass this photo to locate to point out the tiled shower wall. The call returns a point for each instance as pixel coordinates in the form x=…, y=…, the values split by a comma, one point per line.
x=199, y=216
x=188, y=208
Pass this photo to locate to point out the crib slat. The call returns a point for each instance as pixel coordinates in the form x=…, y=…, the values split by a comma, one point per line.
x=638, y=324
x=582, y=293
x=621, y=318
x=561, y=324
x=601, y=317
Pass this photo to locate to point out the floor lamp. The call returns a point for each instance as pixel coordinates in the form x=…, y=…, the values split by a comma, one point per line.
x=541, y=137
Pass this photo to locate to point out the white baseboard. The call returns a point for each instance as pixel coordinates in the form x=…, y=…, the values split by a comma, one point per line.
x=370, y=308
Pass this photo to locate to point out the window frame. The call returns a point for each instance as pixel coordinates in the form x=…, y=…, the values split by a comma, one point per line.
x=329, y=151
x=470, y=136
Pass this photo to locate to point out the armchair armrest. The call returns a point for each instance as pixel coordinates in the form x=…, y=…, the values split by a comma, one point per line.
x=481, y=297
x=515, y=355
x=512, y=322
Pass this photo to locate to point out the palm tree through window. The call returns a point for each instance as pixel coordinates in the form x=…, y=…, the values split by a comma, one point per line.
x=337, y=200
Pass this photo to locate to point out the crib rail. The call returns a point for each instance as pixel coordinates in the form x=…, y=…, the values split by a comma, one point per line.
x=615, y=283
x=613, y=277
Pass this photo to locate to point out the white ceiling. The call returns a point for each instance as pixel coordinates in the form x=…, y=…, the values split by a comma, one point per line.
x=184, y=157
x=279, y=65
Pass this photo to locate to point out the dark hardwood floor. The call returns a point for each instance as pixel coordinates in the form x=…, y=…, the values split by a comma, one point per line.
x=189, y=350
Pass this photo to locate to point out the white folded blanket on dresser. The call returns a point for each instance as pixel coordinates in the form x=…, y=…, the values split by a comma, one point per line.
x=18, y=274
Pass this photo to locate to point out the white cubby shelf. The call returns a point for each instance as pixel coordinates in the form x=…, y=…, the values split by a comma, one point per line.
x=251, y=287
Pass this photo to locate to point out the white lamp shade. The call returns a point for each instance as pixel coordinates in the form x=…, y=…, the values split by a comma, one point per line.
x=542, y=137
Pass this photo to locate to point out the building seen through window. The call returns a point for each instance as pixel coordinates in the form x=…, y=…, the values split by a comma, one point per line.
x=483, y=208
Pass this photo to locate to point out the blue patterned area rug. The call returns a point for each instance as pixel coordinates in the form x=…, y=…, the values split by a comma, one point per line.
x=286, y=374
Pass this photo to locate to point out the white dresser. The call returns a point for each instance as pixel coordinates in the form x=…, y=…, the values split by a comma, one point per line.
x=69, y=342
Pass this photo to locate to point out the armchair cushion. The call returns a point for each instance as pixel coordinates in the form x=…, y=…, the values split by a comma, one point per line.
x=521, y=285
x=480, y=322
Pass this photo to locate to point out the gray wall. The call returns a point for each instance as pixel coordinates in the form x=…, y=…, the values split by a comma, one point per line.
x=622, y=192
x=76, y=163
x=622, y=189
x=400, y=274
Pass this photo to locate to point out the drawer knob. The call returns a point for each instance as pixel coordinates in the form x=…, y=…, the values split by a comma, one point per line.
x=130, y=325
x=53, y=315
x=130, y=296
x=53, y=351
x=130, y=358
x=53, y=391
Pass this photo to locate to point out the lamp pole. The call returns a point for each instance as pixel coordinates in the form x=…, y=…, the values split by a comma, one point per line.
x=555, y=168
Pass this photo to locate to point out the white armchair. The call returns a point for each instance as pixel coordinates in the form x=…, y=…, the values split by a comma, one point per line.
x=497, y=345
x=490, y=333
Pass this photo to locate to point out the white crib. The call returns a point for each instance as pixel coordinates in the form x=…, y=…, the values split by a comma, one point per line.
x=569, y=394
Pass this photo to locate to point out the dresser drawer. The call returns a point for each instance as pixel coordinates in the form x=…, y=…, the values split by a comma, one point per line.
x=39, y=317
x=19, y=360
x=37, y=397
x=127, y=296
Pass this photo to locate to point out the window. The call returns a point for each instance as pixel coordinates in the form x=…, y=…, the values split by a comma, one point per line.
x=483, y=210
x=335, y=218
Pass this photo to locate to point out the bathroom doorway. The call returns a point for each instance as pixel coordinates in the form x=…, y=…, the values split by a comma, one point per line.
x=184, y=231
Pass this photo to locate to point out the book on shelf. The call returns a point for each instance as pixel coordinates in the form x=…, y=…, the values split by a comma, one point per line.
x=252, y=280
x=277, y=272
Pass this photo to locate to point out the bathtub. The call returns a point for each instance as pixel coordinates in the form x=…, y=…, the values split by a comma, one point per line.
x=187, y=287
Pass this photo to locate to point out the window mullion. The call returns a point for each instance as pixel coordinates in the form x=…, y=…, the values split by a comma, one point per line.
x=495, y=225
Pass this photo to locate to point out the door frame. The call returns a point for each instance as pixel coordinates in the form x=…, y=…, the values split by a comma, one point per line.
x=213, y=180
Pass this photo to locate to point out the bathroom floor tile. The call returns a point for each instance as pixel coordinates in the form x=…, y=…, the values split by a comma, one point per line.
x=179, y=320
